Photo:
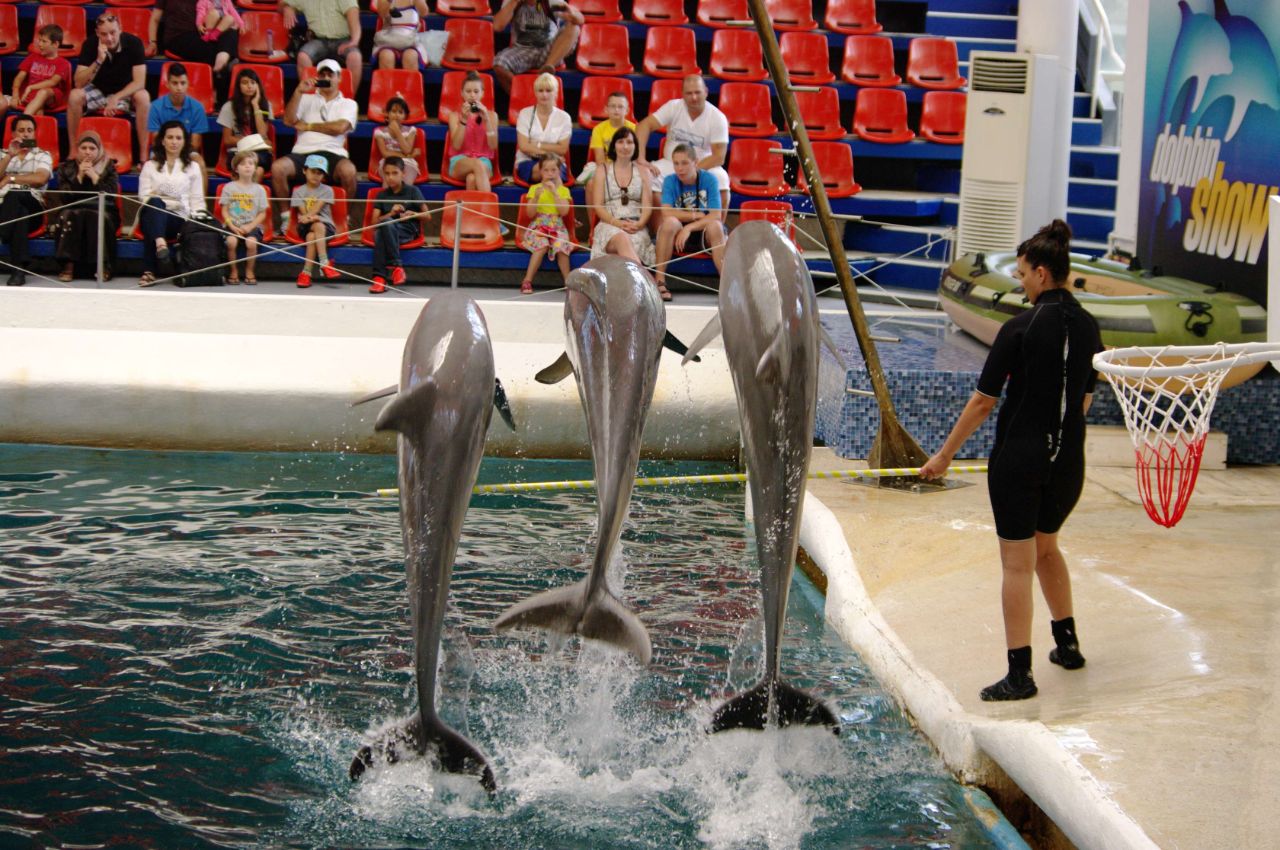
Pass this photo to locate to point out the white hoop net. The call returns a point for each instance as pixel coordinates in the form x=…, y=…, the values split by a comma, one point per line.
x=1167, y=396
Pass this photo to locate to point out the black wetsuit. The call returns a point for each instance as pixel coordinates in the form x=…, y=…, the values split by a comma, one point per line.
x=1037, y=466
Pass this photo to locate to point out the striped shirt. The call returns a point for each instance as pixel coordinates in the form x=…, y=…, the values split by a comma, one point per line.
x=30, y=161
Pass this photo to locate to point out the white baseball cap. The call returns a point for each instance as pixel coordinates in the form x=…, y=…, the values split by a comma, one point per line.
x=331, y=65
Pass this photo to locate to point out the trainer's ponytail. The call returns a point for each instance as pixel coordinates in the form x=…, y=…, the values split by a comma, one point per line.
x=1050, y=247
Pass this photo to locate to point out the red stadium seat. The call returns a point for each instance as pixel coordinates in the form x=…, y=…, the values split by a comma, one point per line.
x=664, y=90
x=339, y=213
x=72, y=21
x=272, y=84
x=10, y=41
x=199, y=86
x=755, y=171
x=344, y=84
x=368, y=234
x=670, y=52
x=522, y=95
x=736, y=54
x=476, y=229
x=599, y=11
x=494, y=179
x=942, y=118
x=595, y=96
x=933, y=63
x=852, y=17
x=604, y=49
x=133, y=19
x=117, y=138
x=749, y=108
x=835, y=163
x=451, y=93
x=268, y=234
x=881, y=116
x=264, y=38
x=659, y=13
x=134, y=4
x=790, y=15
x=424, y=175
x=261, y=5
x=463, y=8
x=820, y=111
x=868, y=61
x=777, y=212
x=72, y=2
x=806, y=58
x=224, y=170
x=388, y=83
x=718, y=13
x=470, y=45
x=46, y=134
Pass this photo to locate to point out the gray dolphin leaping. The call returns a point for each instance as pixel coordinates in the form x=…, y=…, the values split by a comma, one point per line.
x=615, y=326
x=446, y=396
x=769, y=319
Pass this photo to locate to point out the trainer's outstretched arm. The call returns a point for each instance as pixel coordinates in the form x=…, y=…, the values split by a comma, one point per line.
x=975, y=412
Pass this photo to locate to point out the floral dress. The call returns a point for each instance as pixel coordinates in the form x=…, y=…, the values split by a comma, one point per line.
x=546, y=231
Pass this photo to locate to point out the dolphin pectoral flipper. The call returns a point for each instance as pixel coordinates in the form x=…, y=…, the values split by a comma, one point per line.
x=407, y=410
x=831, y=346
x=775, y=364
x=565, y=610
x=671, y=341
x=557, y=371
x=455, y=753
x=501, y=403
x=709, y=332
x=792, y=706
x=375, y=395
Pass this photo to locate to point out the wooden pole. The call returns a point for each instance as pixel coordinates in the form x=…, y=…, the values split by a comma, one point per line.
x=893, y=446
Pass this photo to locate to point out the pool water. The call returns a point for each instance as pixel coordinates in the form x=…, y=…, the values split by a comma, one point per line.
x=194, y=646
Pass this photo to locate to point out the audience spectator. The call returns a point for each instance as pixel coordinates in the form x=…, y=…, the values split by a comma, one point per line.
x=397, y=41
x=543, y=33
x=542, y=129
x=244, y=209
x=473, y=135
x=691, y=220
x=401, y=203
x=323, y=118
x=189, y=112
x=75, y=228
x=111, y=78
x=623, y=203
x=170, y=189
x=186, y=35
x=215, y=17
x=334, y=30
x=245, y=114
x=314, y=202
x=25, y=170
x=615, y=107
x=694, y=122
x=44, y=78
x=548, y=201
x=397, y=139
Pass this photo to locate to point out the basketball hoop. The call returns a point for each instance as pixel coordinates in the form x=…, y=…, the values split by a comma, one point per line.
x=1167, y=396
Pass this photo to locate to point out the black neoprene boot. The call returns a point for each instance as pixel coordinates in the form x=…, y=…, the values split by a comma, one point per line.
x=1067, y=653
x=1018, y=684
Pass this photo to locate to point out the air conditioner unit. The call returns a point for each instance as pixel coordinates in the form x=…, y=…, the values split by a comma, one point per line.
x=1005, y=179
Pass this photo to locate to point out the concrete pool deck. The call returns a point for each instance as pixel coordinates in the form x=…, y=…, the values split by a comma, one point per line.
x=1170, y=736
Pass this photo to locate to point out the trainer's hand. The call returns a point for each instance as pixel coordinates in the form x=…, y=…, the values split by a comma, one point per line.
x=935, y=467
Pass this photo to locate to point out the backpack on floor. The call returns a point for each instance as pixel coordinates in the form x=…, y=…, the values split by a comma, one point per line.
x=201, y=252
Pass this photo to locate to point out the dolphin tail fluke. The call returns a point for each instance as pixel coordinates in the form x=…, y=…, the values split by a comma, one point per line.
x=455, y=753
x=557, y=371
x=565, y=610
x=750, y=710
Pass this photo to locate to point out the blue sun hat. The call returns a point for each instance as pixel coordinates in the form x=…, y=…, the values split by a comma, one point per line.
x=316, y=161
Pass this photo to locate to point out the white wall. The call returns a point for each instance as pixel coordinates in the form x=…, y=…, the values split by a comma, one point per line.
x=1135, y=81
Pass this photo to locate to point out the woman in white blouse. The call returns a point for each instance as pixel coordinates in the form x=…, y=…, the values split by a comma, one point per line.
x=171, y=189
x=542, y=128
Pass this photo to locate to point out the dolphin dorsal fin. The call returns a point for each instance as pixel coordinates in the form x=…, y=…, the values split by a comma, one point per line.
x=709, y=332
x=775, y=363
x=375, y=395
x=831, y=346
x=500, y=402
x=557, y=371
x=671, y=341
x=401, y=410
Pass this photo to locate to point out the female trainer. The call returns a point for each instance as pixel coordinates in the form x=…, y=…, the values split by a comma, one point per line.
x=1037, y=465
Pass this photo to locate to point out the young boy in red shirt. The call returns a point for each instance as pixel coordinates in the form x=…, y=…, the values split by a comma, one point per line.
x=44, y=78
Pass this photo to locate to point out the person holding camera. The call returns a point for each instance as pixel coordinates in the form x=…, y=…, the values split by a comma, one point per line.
x=543, y=32
x=25, y=170
x=397, y=40
x=334, y=33
x=473, y=136
x=322, y=118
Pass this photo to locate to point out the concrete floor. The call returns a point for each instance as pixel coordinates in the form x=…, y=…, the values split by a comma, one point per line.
x=1176, y=715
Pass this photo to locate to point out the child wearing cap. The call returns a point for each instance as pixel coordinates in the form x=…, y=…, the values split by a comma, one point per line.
x=314, y=202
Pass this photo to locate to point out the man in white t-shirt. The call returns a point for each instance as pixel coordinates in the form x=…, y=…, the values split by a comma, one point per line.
x=689, y=121
x=322, y=118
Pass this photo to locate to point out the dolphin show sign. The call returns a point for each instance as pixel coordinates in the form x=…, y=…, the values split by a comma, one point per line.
x=1209, y=141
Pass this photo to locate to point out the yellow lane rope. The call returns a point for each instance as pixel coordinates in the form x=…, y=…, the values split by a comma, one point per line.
x=728, y=478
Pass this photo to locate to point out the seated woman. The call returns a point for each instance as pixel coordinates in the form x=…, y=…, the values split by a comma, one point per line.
x=245, y=113
x=473, y=137
x=397, y=41
x=623, y=202
x=542, y=129
x=170, y=189
x=76, y=227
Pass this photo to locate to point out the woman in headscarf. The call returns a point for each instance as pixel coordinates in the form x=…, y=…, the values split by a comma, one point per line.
x=88, y=170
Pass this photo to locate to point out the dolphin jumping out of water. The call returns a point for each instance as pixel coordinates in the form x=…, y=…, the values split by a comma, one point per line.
x=441, y=411
x=615, y=326
x=769, y=319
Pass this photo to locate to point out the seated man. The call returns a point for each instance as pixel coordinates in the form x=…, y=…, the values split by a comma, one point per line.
x=111, y=78
x=176, y=106
x=322, y=118
x=693, y=122
x=334, y=26
x=24, y=172
x=691, y=215
x=543, y=32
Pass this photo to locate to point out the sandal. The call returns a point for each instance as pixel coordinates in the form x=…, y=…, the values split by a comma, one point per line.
x=147, y=279
x=663, y=292
x=233, y=279
x=250, y=280
x=526, y=287
x=67, y=274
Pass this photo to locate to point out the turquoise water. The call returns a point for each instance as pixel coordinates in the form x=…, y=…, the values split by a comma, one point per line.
x=194, y=645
